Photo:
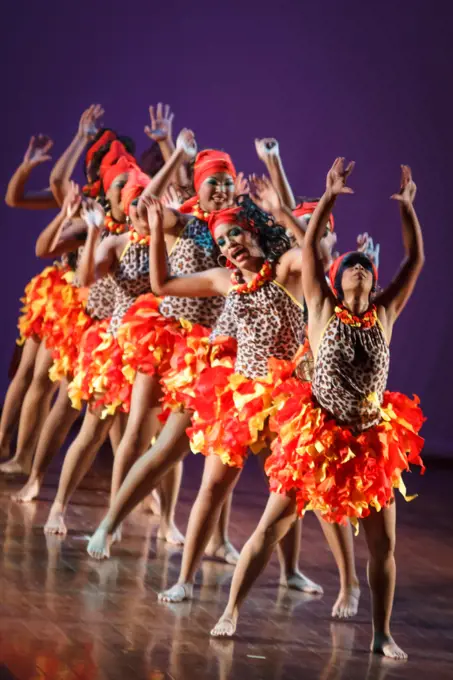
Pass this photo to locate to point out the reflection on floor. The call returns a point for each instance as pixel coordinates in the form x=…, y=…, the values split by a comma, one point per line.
x=63, y=615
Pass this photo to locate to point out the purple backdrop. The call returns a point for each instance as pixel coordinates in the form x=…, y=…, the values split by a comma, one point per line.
x=325, y=78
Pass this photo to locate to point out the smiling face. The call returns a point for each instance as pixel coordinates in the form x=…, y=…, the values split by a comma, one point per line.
x=216, y=192
x=357, y=277
x=240, y=246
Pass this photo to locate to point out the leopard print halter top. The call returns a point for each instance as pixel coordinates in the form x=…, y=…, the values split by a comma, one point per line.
x=131, y=279
x=351, y=370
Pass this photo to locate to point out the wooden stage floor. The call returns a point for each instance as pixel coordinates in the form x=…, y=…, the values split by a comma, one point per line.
x=62, y=615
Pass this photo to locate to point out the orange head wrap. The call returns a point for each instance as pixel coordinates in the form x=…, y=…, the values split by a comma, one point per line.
x=228, y=216
x=122, y=166
x=308, y=208
x=136, y=183
x=209, y=162
x=106, y=137
x=336, y=267
x=117, y=150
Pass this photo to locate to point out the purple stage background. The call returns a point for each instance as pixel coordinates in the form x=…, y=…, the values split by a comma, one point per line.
x=372, y=83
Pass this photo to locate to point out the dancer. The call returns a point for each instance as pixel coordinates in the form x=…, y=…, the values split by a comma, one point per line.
x=359, y=436
x=125, y=257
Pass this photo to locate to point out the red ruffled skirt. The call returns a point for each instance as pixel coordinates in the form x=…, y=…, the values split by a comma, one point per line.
x=334, y=470
x=232, y=411
x=37, y=297
x=101, y=376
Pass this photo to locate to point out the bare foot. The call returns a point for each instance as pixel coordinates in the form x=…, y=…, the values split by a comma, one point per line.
x=152, y=503
x=347, y=603
x=99, y=544
x=117, y=535
x=14, y=467
x=177, y=593
x=385, y=644
x=55, y=522
x=298, y=581
x=28, y=492
x=225, y=626
x=226, y=552
x=170, y=534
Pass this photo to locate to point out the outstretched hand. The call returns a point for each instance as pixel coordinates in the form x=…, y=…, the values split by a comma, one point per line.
x=90, y=121
x=92, y=214
x=72, y=201
x=338, y=176
x=366, y=245
x=172, y=198
x=38, y=150
x=408, y=189
x=265, y=195
x=266, y=148
x=241, y=185
x=161, y=121
x=187, y=142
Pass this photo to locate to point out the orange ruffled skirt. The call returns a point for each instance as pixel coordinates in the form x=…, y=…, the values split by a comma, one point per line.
x=101, y=376
x=232, y=411
x=333, y=470
x=38, y=295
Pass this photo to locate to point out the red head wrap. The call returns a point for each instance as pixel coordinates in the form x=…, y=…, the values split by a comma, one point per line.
x=117, y=150
x=209, y=162
x=105, y=138
x=308, y=208
x=336, y=264
x=228, y=216
x=122, y=166
x=136, y=183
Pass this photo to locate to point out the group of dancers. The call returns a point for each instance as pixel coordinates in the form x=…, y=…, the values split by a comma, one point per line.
x=191, y=309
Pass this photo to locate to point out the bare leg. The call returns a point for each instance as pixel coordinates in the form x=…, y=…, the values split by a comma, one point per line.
x=341, y=543
x=278, y=517
x=34, y=412
x=169, y=492
x=288, y=551
x=16, y=394
x=78, y=461
x=116, y=433
x=54, y=432
x=171, y=446
x=219, y=545
x=380, y=536
x=218, y=481
x=138, y=433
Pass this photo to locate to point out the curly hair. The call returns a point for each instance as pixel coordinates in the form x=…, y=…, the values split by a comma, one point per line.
x=272, y=237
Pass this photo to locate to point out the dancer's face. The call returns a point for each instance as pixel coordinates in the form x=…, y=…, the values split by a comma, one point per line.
x=357, y=278
x=216, y=192
x=114, y=196
x=238, y=245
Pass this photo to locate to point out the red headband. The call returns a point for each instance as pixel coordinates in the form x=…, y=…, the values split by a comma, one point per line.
x=227, y=216
x=136, y=183
x=209, y=162
x=122, y=166
x=105, y=138
x=308, y=208
x=335, y=266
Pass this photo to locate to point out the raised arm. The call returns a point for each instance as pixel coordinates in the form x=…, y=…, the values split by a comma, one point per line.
x=186, y=148
x=394, y=298
x=267, y=197
x=61, y=174
x=268, y=151
x=316, y=290
x=16, y=194
x=98, y=258
x=160, y=131
x=204, y=284
x=64, y=234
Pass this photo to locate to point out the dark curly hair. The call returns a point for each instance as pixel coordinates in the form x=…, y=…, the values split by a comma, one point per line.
x=272, y=237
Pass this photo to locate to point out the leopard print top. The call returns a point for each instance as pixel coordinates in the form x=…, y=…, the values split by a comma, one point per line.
x=351, y=365
x=194, y=251
x=130, y=279
x=266, y=323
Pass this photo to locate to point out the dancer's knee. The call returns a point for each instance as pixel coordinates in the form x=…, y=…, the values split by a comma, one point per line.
x=381, y=546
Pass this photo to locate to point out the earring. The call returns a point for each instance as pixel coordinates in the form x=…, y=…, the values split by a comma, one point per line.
x=128, y=219
x=222, y=261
